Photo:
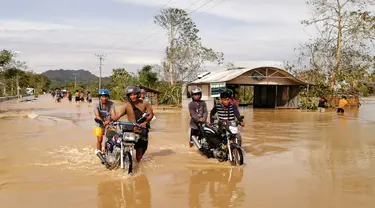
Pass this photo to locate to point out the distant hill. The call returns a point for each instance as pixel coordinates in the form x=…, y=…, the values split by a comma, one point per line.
x=59, y=77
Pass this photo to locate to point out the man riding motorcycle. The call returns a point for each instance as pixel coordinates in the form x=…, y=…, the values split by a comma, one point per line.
x=134, y=109
x=198, y=113
x=226, y=110
x=104, y=111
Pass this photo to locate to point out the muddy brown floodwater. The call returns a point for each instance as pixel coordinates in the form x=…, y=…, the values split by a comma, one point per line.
x=293, y=159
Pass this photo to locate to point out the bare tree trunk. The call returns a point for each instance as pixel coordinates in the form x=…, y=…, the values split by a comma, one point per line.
x=337, y=65
x=170, y=56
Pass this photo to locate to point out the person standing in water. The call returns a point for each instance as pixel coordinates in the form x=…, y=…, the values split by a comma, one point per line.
x=342, y=104
x=134, y=109
x=89, y=97
x=322, y=105
x=70, y=96
x=105, y=111
x=198, y=113
x=77, y=96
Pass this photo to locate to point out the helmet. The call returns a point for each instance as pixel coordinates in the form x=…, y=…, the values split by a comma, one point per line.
x=103, y=92
x=230, y=92
x=196, y=90
x=132, y=89
x=143, y=90
x=226, y=94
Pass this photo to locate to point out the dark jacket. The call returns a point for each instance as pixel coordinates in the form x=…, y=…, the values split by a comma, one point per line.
x=198, y=110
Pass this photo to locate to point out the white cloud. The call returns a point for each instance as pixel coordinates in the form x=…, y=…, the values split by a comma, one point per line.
x=18, y=25
x=287, y=11
x=267, y=33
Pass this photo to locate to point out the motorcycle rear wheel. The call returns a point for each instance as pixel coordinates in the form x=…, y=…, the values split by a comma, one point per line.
x=237, y=156
x=128, y=162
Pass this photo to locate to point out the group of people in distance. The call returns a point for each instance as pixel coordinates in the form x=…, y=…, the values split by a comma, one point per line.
x=323, y=104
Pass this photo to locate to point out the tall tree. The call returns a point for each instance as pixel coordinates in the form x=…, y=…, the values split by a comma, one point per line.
x=147, y=76
x=345, y=27
x=5, y=57
x=120, y=79
x=185, y=55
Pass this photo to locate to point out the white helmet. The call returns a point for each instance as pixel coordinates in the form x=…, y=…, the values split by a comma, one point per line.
x=196, y=90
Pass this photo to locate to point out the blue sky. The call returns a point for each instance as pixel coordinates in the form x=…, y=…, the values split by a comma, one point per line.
x=53, y=34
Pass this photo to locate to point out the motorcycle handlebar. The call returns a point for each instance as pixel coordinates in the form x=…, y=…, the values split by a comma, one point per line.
x=121, y=123
x=118, y=123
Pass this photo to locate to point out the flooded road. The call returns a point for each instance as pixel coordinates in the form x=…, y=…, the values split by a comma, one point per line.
x=293, y=159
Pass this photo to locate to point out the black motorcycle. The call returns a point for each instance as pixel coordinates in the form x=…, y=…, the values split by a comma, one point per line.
x=220, y=141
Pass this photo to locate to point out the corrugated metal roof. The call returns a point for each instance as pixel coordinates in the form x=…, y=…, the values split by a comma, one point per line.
x=221, y=76
x=227, y=75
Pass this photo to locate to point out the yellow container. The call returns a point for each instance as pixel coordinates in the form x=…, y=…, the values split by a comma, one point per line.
x=98, y=131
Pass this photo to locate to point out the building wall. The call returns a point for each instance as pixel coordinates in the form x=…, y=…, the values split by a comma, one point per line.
x=206, y=93
x=287, y=96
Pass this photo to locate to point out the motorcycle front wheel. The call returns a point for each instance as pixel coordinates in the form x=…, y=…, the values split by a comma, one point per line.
x=237, y=156
x=128, y=162
x=239, y=140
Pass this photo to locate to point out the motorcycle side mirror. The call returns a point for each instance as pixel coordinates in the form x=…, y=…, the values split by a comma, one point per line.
x=242, y=117
x=98, y=121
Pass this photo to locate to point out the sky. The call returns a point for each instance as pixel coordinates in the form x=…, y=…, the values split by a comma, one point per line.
x=55, y=34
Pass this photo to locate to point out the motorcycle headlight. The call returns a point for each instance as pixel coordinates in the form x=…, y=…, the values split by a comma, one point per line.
x=233, y=129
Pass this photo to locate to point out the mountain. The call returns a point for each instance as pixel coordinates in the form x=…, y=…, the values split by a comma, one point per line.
x=61, y=77
x=69, y=75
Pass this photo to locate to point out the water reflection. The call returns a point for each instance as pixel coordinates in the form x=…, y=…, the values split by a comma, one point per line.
x=221, y=185
x=133, y=192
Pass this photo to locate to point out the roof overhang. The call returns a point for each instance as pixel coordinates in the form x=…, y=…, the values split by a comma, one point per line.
x=228, y=75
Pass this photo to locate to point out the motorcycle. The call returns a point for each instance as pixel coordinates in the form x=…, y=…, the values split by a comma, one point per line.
x=220, y=141
x=120, y=143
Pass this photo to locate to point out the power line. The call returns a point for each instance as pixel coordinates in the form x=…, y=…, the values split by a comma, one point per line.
x=143, y=39
x=101, y=59
x=113, y=44
x=157, y=27
x=220, y=2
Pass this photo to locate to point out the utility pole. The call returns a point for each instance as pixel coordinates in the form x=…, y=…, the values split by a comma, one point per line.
x=101, y=59
x=75, y=81
x=18, y=85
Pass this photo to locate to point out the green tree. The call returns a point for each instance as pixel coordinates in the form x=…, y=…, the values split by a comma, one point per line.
x=120, y=79
x=147, y=76
x=185, y=55
x=5, y=57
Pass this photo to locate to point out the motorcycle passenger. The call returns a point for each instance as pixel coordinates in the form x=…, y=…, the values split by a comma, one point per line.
x=135, y=109
x=226, y=110
x=105, y=111
x=144, y=97
x=198, y=113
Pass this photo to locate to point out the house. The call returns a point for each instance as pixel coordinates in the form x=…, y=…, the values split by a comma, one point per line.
x=152, y=94
x=273, y=87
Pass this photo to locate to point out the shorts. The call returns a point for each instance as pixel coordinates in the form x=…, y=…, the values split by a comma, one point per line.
x=321, y=110
x=141, y=144
x=77, y=99
x=340, y=110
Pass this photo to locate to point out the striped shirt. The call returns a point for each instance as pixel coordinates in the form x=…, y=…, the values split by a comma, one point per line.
x=228, y=113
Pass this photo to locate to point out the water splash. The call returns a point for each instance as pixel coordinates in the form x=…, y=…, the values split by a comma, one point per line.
x=84, y=161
